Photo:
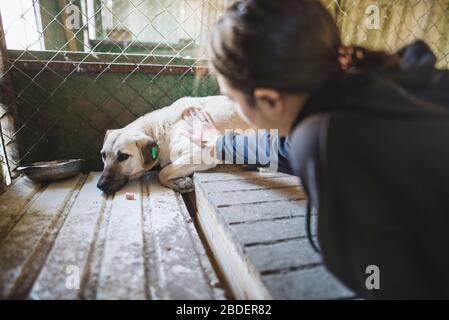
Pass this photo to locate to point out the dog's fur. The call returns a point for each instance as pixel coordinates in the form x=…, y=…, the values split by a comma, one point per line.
x=162, y=129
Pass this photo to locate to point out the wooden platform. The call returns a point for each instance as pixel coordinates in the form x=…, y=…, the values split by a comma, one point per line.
x=255, y=226
x=68, y=241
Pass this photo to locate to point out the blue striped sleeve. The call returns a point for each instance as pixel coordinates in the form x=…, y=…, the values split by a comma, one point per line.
x=257, y=148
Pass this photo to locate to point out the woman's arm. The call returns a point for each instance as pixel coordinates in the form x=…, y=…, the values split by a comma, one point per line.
x=260, y=148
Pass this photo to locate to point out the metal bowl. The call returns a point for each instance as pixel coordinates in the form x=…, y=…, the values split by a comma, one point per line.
x=52, y=170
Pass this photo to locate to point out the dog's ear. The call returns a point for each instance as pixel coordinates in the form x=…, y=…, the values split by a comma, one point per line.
x=148, y=150
x=108, y=132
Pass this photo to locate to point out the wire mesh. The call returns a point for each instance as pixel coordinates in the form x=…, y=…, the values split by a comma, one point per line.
x=73, y=68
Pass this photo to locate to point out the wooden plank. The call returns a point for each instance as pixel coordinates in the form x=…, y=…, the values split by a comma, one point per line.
x=281, y=256
x=73, y=245
x=255, y=196
x=251, y=184
x=263, y=211
x=243, y=278
x=260, y=232
x=91, y=276
x=14, y=202
x=217, y=288
x=178, y=267
x=230, y=168
x=122, y=271
x=235, y=176
x=315, y=283
x=28, y=240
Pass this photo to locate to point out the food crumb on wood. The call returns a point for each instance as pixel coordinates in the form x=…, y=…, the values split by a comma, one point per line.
x=130, y=196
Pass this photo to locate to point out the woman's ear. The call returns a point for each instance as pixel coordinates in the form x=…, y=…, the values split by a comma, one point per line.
x=269, y=98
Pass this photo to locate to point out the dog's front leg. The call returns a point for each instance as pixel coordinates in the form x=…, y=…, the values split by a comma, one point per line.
x=176, y=175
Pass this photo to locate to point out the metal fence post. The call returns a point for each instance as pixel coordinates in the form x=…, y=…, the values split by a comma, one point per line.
x=8, y=114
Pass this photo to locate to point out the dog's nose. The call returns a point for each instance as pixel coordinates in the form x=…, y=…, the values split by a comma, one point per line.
x=102, y=184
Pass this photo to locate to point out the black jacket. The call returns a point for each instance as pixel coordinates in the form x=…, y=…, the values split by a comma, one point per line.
x=372, y=151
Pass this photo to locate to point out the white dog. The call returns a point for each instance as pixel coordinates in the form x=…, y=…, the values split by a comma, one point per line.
x=156, y=138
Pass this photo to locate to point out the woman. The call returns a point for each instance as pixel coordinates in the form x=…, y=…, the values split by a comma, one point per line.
x=367, y=135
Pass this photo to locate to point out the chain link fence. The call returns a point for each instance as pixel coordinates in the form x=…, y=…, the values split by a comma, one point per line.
x=390, y=25
x=77, y=68
x=70, y=69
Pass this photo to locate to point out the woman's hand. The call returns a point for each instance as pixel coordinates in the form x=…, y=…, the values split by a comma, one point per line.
x=201, y=129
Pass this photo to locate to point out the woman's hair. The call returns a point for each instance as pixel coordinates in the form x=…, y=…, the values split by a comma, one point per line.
x=288, y=45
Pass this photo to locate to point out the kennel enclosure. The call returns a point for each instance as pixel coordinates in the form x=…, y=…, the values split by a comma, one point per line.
x=70, y=70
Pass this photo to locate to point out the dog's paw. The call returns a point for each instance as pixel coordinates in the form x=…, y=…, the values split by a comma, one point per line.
x=183, y=185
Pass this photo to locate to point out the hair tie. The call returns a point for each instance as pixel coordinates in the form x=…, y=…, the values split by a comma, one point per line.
x=349, y=56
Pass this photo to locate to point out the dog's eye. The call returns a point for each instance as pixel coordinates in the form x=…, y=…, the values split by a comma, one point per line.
x=122, y=157
x=103, y=155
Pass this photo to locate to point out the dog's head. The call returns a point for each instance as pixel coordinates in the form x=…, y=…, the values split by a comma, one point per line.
x=126, y=155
